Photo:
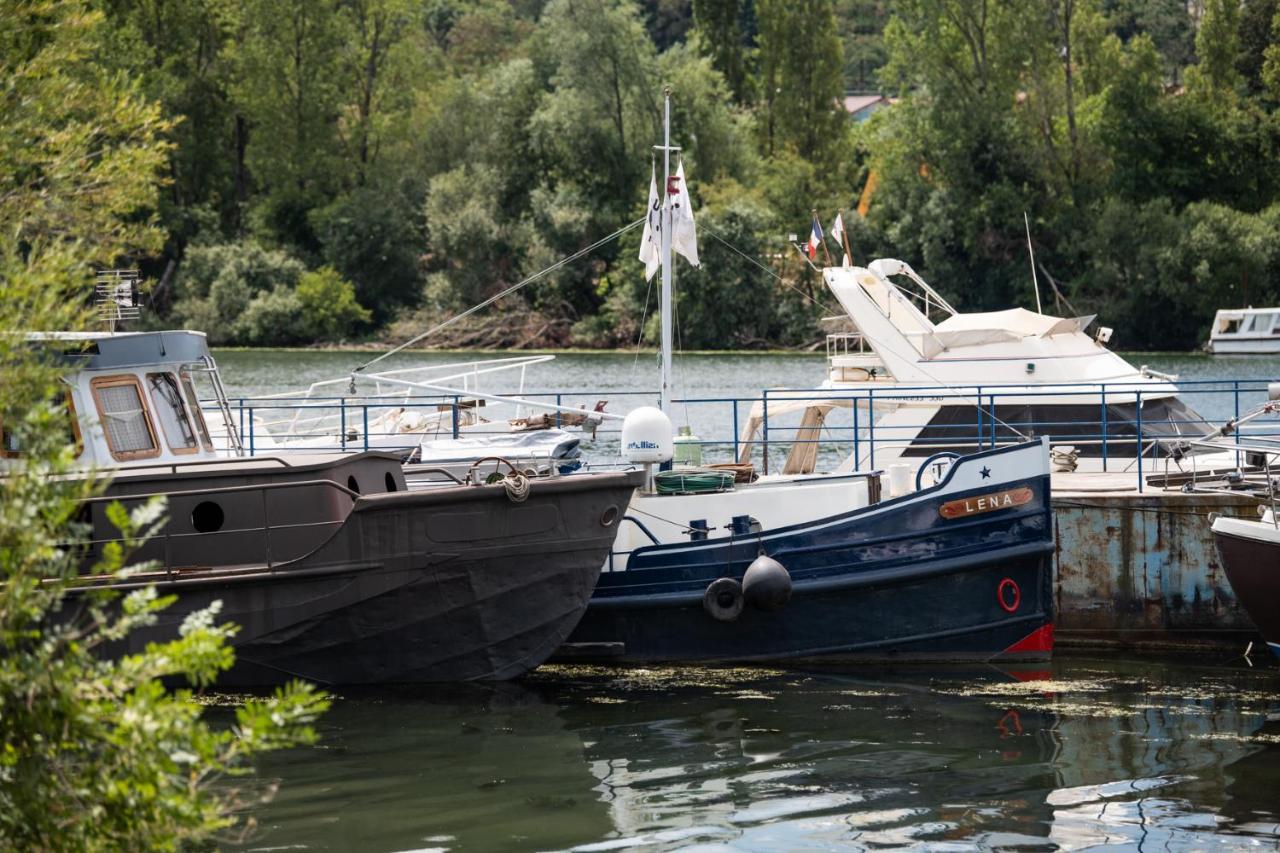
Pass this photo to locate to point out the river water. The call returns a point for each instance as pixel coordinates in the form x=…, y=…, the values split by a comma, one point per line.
x=1181, y=755
x=1141, y=754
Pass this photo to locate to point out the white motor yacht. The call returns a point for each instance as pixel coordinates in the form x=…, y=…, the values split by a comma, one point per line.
x=933, y=379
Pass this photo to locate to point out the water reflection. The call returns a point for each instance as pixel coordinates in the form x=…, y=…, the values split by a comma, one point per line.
x=1090, y=753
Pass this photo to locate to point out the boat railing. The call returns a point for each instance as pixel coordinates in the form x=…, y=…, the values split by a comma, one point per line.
x=1123, y=426
x=268, y=529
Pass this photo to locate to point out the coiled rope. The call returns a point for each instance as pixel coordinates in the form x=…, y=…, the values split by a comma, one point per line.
x=517, y=486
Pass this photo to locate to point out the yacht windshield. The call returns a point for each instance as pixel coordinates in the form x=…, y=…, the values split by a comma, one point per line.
x=171, y=412
x=957, y=426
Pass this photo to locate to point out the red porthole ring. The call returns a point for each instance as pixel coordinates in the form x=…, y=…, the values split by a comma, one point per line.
x=1002, y=597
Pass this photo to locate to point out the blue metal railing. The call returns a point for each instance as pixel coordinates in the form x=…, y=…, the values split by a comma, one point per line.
x=879, y=419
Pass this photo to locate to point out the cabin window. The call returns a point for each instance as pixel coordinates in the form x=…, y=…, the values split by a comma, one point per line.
x=1231, y=327
x=11, y=446
x=1258, y=323
x=124, y=417
x=171, y=411
x=193, y=403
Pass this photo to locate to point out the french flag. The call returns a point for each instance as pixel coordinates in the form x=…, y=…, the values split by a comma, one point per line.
x=815, y=239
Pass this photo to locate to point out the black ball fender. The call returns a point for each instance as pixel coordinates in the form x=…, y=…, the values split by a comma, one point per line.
x=723, y=599
x=766, y=584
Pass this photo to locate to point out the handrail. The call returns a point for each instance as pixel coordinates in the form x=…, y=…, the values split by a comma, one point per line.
x=291, y=484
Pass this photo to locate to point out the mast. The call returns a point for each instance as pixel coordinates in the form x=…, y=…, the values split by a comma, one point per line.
x=664, y=304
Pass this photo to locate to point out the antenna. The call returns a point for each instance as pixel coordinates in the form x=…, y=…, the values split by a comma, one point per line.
x=116, y=296
x=1032, y=254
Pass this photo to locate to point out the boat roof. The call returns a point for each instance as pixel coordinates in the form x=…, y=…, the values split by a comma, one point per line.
x=1019, y=321
x=1240, y=312
x=115, y=350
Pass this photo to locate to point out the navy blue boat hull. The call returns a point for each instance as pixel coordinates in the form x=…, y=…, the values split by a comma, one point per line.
x=897, y=581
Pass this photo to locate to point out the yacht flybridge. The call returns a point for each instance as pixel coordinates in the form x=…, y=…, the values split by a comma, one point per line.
x=934, y=379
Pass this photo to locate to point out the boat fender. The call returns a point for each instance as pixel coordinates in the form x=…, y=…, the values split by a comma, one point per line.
x=766, y=584
x=723, y=599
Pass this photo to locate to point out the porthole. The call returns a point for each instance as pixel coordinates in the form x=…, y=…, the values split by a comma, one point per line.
x=207, y=517
x=390, y=481
x=609, y=516
x=352, y=484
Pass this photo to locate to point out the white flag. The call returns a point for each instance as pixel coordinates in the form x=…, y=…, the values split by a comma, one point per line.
x=837, y=229
x=650, y=253
x=684, y=237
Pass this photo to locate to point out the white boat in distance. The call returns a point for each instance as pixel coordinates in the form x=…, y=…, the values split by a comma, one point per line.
x=1245, y=331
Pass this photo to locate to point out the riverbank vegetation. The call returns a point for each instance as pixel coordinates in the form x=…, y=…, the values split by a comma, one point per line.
x=95, y=752
x=421, y=155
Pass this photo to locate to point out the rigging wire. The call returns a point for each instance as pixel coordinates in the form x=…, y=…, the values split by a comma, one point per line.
x=752, y=260
x=492, y=299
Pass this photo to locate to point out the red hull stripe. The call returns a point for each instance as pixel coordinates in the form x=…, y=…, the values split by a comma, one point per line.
x=1039, y=640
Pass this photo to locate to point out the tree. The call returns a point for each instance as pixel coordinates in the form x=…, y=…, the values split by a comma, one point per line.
x=801, y=77
x=1218, y=48
x=96, y=753
x=288, y=72
x=1256, y=35
x=719, y=35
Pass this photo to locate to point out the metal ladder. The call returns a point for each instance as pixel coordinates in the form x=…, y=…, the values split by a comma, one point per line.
x=220, y=394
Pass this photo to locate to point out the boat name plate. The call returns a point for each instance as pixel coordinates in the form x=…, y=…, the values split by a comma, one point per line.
x=986, y=503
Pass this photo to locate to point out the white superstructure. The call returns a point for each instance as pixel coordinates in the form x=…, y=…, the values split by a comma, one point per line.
x=934, y=379
x=132, y=398
x=1246, y=331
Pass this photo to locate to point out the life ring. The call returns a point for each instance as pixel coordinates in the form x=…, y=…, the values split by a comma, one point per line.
x=1005, y=604
x=723, y=599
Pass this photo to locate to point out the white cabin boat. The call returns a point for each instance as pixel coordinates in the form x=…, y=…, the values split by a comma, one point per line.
x=1246, y=331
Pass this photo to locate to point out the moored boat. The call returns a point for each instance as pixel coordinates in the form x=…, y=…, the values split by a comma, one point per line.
x=332, y=569
x=1250, y=553
x=960, y=571
x=1245, y=331
x=716, y=565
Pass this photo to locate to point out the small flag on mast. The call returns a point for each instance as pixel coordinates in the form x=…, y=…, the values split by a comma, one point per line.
x=815, y=238
x=842, y=238
x=684, y=237
x=650, y=254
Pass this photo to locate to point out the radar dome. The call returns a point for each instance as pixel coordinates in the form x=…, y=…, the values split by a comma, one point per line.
x=646, y=436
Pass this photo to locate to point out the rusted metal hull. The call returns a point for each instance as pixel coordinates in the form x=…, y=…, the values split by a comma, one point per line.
x=1141, y=571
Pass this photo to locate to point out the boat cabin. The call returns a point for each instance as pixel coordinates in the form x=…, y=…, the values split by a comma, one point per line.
x=1245, y=331
x=132, y=397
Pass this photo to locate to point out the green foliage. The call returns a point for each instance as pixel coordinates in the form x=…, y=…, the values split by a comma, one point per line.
x=801, y=77
x=433, y=152
x=329, y=307
x=80, y=146
x=720, y=37
x=95, y=752
x=246, y=293
x=370, y=235
x=1218, y=47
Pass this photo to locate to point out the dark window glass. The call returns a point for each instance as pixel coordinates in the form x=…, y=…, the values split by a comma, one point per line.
x=957, y=427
